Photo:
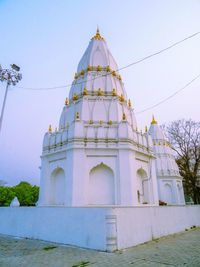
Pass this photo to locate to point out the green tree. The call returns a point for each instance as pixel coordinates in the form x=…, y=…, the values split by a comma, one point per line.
x=26, y=193
x=6, y=195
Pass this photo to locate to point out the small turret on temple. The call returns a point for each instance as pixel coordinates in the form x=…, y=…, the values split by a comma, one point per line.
x=168, y=176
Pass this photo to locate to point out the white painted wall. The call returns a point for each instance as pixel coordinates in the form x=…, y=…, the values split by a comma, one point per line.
x=102, y=228
x=73, y=178
x=141, y=224
x=171, y=190
x=83, y=227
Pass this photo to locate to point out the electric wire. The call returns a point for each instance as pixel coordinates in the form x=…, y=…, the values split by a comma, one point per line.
x=169, y=97
x=109, y=73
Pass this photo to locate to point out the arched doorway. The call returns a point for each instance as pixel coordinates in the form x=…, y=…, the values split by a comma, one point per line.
x=142, y=187
x=57, y=191
x=101, y=186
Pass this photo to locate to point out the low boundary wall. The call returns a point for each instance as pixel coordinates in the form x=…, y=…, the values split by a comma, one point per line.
x=101, y=228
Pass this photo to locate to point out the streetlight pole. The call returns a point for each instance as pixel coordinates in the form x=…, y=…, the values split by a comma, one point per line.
x=3, y=107
x=12, y=77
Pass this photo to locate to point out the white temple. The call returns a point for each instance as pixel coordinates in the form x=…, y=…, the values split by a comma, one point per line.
x=102, y=180
x=98, y=156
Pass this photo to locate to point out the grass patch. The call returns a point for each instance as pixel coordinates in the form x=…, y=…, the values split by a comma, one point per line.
x=81, y=264
x=49, y=248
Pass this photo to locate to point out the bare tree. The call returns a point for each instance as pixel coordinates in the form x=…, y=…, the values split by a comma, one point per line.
x=184, y=136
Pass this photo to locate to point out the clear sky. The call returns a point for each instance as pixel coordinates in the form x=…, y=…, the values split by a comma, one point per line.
x=47, y=38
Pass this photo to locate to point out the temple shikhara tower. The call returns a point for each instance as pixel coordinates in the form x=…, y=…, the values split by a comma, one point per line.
x=97, y=156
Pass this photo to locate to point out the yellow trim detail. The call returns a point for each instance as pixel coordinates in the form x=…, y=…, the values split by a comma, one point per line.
x=50, y=129
x=99, y=93
x=114, y=73
x=124, y=117
x=98, y=68
x=84, y=91
x=82, y=72
x=114, y=92
x=77, y=116
x=97, y=36
x=74, y=97
x=66, y=101
x=121, y=98
x=89, y=68
x=108, y=68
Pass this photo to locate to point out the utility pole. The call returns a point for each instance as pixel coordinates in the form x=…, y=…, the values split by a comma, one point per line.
x=12, y=77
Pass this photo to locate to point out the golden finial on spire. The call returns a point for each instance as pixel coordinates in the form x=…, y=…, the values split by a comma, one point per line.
x=97, y=36
x=84, y=91
x=99, y=93
x=153, y=120
x=89, y=68
x=119, y=77
x=114, y=73
x=50, y=129
x=108, y=69
x=114, y=92
x=77, y=116
x=98, y=68
x=146, y=129
x=129, y=103
x=76, y=76
x=121, y=98
x=66, y=101
x=74, y=97
x=124, y=117
x=82, y=72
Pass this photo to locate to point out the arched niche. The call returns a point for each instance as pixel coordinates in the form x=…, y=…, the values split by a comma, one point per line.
x=180, y=193
x=57, y=187
x=142, y=186
x=101, y=186
x=168, y=193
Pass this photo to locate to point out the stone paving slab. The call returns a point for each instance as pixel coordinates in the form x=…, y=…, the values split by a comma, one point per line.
x=182, y=250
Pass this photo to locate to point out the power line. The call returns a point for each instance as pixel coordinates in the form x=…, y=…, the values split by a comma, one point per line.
x=169, y=97
x=122, y=68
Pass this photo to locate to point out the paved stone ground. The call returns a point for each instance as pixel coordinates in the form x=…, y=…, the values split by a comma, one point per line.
x=176, y=250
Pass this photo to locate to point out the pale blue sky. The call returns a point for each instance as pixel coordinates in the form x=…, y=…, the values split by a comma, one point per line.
x=47, y=39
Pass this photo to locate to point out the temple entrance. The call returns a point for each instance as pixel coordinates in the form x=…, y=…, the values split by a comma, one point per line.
x=57, y=192
x=101, y=186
